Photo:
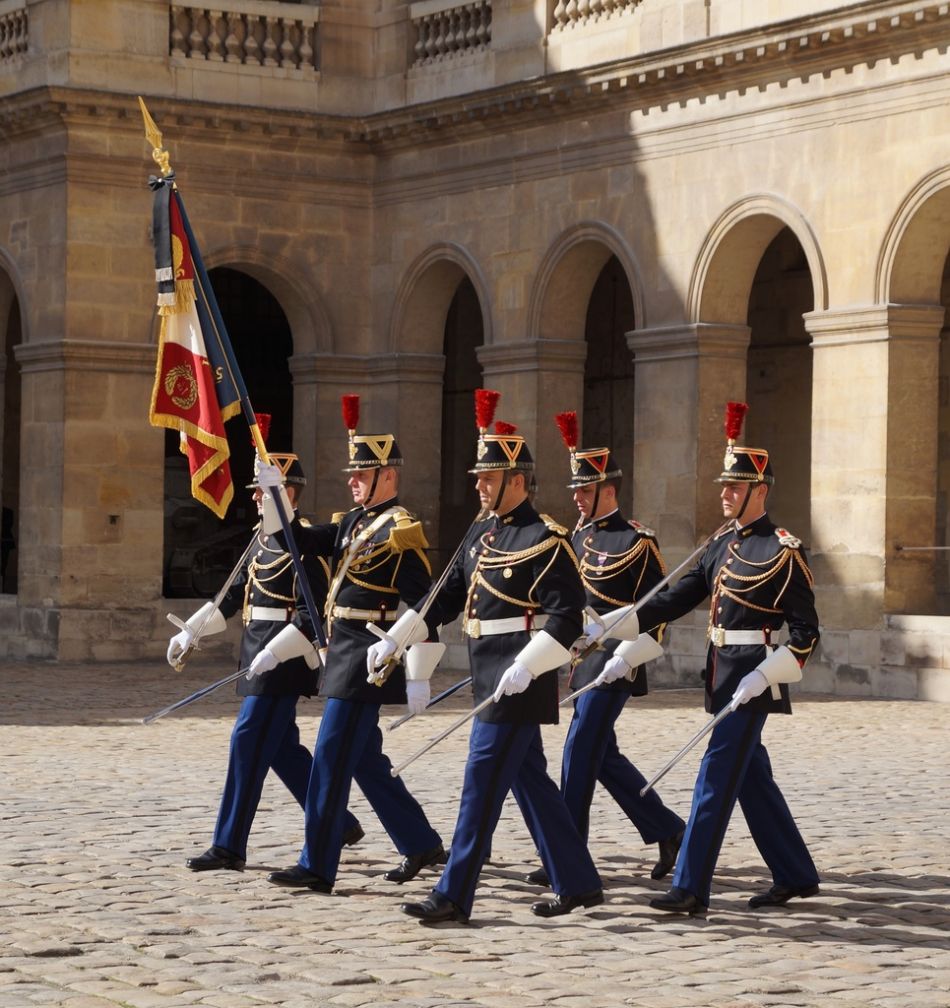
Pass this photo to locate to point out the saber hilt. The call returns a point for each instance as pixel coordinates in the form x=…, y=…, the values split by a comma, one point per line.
x=381, y=674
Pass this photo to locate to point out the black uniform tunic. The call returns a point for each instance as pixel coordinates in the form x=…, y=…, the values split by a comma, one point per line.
x=269, y=580
x=758, y=579
x=619, y=563
x=515, y=567
x=388, y=566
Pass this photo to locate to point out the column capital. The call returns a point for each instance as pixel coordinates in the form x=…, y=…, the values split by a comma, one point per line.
x=691, y=340
x=533, y=355
x=340, y=369
x=86, y=355
x=874, y=324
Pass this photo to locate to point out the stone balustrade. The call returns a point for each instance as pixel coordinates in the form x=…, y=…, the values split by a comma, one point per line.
x=249, y=32
x=444, y=30
x=14, y=30
x=579, y=12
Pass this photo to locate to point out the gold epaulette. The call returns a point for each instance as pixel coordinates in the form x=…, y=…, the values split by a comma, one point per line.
x=305, y=522
x=642, y=529
x=553, y=526
x=407, y=534
x=337, y=517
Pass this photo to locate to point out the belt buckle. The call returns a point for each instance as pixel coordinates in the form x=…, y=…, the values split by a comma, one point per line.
x=474, y=628
x=717, y=635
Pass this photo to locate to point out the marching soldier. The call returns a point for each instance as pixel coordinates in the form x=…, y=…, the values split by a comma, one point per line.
x=377, y=558
x=517, y=584
x=265, y=734
x=619, y=562
x=758, y=578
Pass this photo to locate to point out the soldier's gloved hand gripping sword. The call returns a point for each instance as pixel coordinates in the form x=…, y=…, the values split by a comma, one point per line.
x=625, y=612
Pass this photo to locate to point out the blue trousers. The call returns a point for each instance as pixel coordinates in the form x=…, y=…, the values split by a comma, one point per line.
x=591, y=754
x=503, y=758
x=349, y=748
x=265, y=737
x=736, y=767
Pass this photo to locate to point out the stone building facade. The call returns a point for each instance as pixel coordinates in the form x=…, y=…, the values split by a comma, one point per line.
x=638, y=209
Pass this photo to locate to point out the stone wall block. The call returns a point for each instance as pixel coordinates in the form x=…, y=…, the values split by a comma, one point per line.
x=933, y=684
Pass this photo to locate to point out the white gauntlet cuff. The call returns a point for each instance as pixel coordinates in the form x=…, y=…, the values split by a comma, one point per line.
x=781, y=666
x=542, y=653
x=421, y=660
x=216, y=623
x=623, y=623
x=638, y=651
x=270, y=517
x=291, y=643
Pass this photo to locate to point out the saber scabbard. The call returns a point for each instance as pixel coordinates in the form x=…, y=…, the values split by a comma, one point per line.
x=398, y=769
x=197, y=695
x=704, y=731
x=444, y=695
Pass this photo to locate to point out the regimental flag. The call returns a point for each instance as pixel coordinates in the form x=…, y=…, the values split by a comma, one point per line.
x=194, y=392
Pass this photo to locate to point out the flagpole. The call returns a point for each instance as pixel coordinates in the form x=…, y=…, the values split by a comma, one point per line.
x=161, y=158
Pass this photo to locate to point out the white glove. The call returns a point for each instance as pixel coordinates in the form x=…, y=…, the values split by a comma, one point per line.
x=263, y=662
x=615, y=669
x=417, y=695
x=178, y=645
x=515, y=679
x=377, y=655
x=268, y=475
x=750, y=686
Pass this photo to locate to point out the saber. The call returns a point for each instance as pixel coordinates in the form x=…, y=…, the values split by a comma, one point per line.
x=380, y=675
x=197, y=695
x=705, y=730
x=594, y=645
x=444, y=695
x=216, y=602
x=397, y=770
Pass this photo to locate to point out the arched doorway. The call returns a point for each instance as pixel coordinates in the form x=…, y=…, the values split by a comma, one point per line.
x=464, y=333
x=779, y=376
x=609, y=387
x=10, y=477
x=200, y=549
x=942, y=538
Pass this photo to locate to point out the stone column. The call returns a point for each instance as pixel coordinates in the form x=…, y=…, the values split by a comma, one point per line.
x=408, y=403
x=874, y=453
x=319, y=435
x=684, y=377
x=537, y=381
x=91, y=492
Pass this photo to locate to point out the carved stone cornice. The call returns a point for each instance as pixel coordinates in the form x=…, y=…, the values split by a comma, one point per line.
x=86, y=355
x=797, y=48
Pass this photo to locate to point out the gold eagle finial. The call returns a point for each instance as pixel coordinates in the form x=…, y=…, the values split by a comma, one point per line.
x=154, y=136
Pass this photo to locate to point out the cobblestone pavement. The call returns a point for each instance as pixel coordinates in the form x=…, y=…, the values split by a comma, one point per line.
x=98, y=813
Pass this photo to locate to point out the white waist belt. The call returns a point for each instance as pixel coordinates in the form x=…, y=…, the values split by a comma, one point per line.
x=720, y=637
x=376, y=615
x=256, y=612
x=476, y=628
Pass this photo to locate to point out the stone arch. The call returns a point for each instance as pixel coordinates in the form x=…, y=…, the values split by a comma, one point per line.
x=911, y=263
x=727, y=262
x=566, y=277
x=291, y=286
x=12, y=310
x=422, y=301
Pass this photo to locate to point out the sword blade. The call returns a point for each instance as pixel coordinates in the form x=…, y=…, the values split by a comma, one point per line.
x=705, y=730
x=197, y=695
x=445, y=694
x=398, y=769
